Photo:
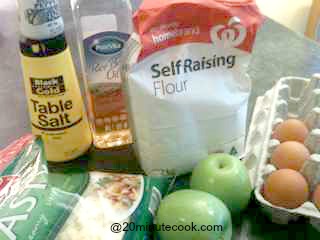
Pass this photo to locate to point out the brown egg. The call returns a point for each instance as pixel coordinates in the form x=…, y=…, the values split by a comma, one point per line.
x=290, y=155
x=316, y=196
x=286, y=188
x=291, y=130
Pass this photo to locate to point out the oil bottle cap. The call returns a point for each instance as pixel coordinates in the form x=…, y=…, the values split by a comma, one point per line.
x=40, y=19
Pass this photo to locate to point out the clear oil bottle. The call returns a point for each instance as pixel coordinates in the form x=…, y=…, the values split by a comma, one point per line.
x=103, y=29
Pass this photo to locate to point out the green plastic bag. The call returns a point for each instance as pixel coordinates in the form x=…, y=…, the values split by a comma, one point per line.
x=65, y=202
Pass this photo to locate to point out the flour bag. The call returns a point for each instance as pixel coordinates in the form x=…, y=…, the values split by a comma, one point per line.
x=185, y=80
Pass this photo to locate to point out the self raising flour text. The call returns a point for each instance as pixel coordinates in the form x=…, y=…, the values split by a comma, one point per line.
x=186, y=66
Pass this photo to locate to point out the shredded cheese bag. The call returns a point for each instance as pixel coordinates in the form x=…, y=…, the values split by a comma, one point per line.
x=67, y=202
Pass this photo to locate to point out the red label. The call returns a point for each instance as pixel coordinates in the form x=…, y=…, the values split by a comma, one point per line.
x=6, y=185
x=11, y=151
x=167, y=23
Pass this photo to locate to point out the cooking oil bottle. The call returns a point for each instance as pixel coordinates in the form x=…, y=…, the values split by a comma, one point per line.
x=54, y=99
x=313, y=26
x=103, y=29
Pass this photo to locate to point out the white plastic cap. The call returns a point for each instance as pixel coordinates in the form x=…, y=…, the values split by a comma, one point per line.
x=40, y=19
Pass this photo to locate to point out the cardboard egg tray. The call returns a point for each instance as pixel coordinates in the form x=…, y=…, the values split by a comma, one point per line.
x=291, y=97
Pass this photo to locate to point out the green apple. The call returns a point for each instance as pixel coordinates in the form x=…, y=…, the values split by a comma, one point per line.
x=187, y=208
x=225, y=177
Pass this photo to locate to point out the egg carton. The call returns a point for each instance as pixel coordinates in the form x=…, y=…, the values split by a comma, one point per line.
x=291, y=97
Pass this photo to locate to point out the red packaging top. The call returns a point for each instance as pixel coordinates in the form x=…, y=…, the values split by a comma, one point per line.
x=10, y=152
x=167, y=23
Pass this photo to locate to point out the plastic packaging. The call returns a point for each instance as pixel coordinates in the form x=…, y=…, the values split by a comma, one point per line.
x=185, y=80
x=10, y=152
x=291, y=97
x=103, y=28
x=65, y=202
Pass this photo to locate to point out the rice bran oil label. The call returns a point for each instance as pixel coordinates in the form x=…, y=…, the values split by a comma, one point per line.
x=109, y=117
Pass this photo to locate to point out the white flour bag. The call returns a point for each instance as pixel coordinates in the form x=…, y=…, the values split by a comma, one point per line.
x=186, y=81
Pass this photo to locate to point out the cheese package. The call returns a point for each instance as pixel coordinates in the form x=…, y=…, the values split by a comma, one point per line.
x=67, y=202
x=185, y=80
